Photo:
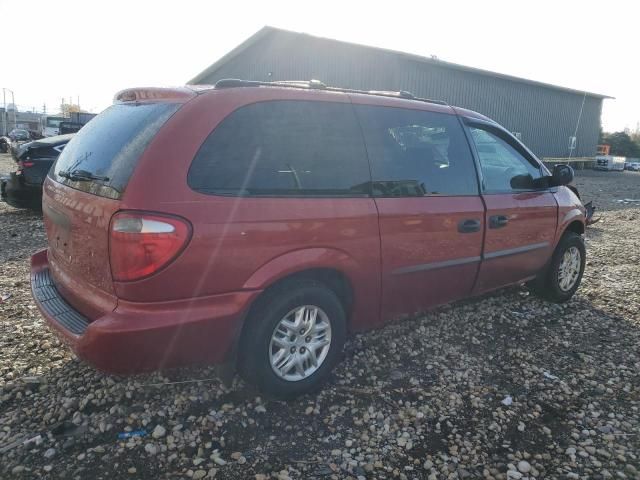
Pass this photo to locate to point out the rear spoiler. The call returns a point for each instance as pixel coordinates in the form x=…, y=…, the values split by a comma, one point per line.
x=154, y=94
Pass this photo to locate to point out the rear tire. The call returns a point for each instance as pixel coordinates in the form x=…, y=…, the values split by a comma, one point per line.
x=292, y=339
x=561, y=278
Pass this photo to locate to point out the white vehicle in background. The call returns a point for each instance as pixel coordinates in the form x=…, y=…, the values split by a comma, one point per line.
x=634, y=166
x=51, y=125
x=609, y=162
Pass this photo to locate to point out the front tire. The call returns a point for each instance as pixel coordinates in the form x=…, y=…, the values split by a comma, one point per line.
x=562, y=277
x=292, y=339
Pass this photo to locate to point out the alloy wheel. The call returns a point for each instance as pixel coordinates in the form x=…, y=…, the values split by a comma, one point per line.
x=569, y=269
x=300, y=343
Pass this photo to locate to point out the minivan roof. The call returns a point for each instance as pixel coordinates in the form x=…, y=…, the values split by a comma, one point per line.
x=318, y=85
x=183, y=94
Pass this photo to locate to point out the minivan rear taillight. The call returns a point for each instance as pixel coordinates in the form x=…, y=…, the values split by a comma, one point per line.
x=141, y=243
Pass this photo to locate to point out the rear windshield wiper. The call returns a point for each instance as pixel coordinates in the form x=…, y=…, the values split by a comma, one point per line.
x=82, y=176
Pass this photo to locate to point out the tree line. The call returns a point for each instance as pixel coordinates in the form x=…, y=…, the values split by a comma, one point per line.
x=623, y=144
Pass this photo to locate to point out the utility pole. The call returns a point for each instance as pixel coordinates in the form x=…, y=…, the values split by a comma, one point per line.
x=4, y=101
x=4, y=113
x=13, y=100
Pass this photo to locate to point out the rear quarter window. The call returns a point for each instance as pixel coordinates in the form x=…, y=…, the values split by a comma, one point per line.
x=110, y=146
x=284, y=148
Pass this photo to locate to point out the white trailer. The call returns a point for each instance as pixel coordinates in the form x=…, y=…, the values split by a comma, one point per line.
x=609, y=162
x=51, y=125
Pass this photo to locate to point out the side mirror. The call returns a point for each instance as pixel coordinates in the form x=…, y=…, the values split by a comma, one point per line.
x=562, y=175
x=522, y=182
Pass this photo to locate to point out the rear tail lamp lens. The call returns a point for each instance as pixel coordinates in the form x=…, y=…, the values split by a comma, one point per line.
x=27, y=164
x=140, y=244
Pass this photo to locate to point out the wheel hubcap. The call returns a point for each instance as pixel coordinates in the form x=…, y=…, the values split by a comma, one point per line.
x=569, y=269
x=300, y=343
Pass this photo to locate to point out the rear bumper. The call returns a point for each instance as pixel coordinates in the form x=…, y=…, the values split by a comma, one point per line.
x=139, y=337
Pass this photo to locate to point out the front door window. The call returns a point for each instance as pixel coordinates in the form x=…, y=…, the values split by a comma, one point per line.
x=504, y=168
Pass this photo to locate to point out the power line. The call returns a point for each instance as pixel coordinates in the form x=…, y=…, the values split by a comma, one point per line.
x=575, y=132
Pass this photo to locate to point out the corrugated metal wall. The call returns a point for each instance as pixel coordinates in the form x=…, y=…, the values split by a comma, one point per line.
x=546, y=117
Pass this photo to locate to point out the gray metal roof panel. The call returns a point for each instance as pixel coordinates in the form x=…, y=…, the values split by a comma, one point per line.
x=267, y=30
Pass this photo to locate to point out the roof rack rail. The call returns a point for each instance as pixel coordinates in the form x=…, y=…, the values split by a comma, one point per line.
x=317, y=84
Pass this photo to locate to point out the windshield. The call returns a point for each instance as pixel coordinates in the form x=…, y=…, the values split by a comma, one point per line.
x=53, y=122
x=109, y=147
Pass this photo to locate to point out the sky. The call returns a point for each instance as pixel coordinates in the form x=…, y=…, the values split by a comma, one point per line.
x=91, y=49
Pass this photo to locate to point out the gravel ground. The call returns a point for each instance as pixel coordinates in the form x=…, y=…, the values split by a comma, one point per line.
x=505, y=386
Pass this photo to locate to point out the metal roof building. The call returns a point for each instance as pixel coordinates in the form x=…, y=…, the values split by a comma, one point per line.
x=546, y=116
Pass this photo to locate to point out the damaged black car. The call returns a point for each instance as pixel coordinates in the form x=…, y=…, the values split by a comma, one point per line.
x=23, y=188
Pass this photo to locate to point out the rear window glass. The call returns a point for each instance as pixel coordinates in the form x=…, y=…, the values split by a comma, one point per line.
x=109, y=147
x=284, y=148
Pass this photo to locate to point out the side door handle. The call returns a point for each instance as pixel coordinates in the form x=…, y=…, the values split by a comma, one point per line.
x=498, y=221
x=469, y=225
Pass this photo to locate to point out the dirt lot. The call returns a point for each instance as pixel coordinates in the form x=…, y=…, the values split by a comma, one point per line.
x=418, y=399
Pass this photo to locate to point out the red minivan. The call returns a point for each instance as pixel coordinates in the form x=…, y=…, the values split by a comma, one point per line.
x=259, y=223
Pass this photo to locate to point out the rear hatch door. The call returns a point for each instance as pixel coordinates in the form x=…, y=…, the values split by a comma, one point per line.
x=82, y=192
